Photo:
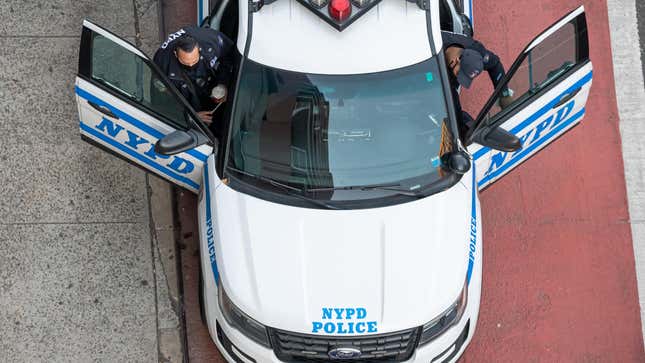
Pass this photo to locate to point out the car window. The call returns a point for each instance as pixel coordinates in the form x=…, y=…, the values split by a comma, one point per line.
x=544, y=64
x=328, y=131
x=134, y=79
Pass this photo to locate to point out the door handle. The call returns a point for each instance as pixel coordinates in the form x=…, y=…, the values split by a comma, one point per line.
x=103, y=109
x=566, y=98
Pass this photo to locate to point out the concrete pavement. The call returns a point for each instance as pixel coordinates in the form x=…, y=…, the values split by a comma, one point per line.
x=630, y=93
x=83, y=261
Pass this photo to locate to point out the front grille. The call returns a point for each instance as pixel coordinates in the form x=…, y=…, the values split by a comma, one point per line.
x=391, y=347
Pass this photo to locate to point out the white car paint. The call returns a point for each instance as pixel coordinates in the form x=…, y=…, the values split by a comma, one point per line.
x=281, y=264
x=373, y=43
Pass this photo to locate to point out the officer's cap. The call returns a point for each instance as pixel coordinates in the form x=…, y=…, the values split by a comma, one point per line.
x=471, y=65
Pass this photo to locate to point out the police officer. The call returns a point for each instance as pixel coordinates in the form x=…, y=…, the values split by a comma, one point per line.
x=467, y=58
x=196, y=60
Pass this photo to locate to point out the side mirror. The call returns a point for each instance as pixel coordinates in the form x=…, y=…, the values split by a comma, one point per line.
x=458, y=162
x=497, y=138
x=179, y=141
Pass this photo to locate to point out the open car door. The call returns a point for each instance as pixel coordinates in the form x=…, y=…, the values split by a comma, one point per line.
x=125, y=106
x=550, y=82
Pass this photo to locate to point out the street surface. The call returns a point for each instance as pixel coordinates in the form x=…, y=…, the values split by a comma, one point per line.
x=559, y=277
x=79, y=259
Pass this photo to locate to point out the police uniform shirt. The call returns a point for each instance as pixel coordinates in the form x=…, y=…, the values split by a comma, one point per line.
x=213, y=67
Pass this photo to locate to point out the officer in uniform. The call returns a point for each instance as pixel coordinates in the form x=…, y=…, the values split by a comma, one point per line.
x=196, y=60
x=467, y=58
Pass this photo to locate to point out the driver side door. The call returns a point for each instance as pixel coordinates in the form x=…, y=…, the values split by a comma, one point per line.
x=550, y=82
x=126, y=106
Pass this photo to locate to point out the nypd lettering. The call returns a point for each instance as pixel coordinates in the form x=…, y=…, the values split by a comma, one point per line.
x=473, y=236
x=341, y=321
x=144, y=147
x=532, y=136
x=172, y=37
x=209, y=238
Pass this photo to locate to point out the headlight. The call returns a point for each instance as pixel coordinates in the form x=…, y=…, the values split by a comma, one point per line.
x=242, y=322
x=447, y=319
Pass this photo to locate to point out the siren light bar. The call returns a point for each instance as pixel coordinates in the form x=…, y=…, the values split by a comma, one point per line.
x=338, y=13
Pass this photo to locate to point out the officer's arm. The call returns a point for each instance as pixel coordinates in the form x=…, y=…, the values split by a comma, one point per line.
x=495, y=69
x=493, y=65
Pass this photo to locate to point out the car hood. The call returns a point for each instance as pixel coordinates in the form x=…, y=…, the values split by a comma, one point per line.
x=298, y=269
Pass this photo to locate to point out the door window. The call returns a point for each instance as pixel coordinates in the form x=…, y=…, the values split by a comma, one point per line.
x=134, y=79
x=545, y=63
x=445, y=16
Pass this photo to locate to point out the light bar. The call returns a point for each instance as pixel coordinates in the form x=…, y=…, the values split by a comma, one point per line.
x=339, y=13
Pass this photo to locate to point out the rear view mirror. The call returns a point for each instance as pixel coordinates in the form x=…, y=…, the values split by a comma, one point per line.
x=179, y=141
x=497, y=138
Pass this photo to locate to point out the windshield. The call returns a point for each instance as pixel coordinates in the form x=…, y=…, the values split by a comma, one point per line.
x=329, y=132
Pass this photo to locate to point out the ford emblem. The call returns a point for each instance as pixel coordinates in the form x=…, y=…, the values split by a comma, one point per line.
x=344, y=353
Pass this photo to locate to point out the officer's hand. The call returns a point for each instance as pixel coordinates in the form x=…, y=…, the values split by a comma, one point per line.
x=505, y=101
x=206, y=116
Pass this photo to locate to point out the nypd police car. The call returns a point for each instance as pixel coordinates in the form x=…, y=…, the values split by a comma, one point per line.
x=338, y=206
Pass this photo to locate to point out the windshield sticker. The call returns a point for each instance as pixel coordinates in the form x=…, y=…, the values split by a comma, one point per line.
x=429, y=77
x=339, y=321
x=436, y=162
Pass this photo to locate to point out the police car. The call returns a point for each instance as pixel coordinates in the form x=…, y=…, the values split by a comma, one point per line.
x=338, y=209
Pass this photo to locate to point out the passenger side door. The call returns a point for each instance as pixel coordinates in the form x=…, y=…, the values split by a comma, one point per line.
x=126, y=106
x=550, y=80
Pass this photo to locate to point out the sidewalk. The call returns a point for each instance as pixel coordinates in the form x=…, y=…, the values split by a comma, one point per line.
x=83, y=263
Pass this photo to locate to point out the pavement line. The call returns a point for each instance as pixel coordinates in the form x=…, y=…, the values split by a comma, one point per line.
x=630, y=93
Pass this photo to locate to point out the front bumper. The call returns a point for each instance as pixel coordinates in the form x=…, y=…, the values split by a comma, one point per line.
x=447, y=348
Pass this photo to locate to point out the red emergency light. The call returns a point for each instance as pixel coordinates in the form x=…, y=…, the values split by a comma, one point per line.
x=340, y=9
x=339, y=13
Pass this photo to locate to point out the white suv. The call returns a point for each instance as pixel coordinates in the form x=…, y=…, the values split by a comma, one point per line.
x=338, y=211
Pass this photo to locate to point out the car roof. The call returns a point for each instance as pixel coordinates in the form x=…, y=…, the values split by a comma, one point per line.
x=393, y=34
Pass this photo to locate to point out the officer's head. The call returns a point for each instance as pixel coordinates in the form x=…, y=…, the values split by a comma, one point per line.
x=187, y=51
x=466, y=64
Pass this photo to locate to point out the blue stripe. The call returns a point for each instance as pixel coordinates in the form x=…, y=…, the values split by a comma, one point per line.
x=473, y=231
x=200, y=15
x=139, y=157
x=133, y=121
x=524, y=152
x=539, y=113
x=209, y=221
x=472, y=21
x=481, y=152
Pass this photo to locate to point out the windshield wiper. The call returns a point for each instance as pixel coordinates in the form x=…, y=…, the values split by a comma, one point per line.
x=290, y=190
x=393, y=187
